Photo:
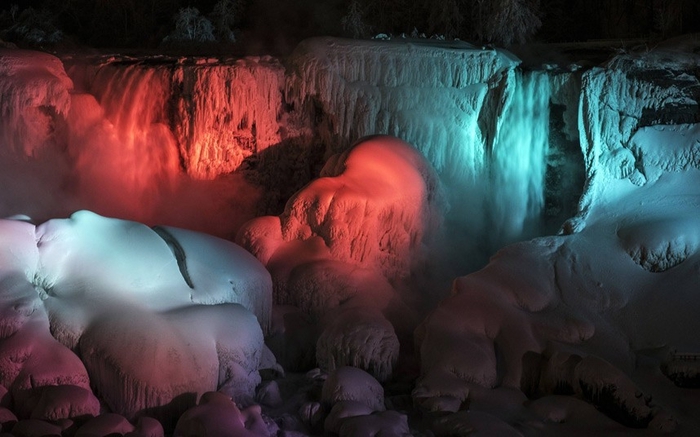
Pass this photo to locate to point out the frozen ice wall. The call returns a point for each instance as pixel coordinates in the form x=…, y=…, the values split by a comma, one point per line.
x=165, y=125
x=631, y=92
x=481, y=123
x=215, y=113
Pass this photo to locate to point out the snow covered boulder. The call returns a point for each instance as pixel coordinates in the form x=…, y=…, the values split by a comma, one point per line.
x=341, y=411
x=180, y=301
x=104, y=425
x=161, y=268
x=217, y=415
x=352, y=238
x=385, y=423
x=358, y=337
x=353, y=384
x=36, y=428
x=373, y=207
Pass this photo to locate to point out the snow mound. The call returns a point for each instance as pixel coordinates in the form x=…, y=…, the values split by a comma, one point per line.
x=342, y=410
x=106, y=424
x=217, y=415
x=358, y=337
x=390, y=423
x=350, y=239
x=175, y=297
x=657, y=245
x=353, y=384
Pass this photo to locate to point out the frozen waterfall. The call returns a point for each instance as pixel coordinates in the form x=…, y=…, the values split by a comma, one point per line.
x=145, y=131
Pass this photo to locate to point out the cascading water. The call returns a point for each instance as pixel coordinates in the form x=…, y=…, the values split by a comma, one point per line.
x=518, y=160
x=120, y=139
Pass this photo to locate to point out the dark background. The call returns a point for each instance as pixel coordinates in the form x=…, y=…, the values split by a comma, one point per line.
x=275, y=26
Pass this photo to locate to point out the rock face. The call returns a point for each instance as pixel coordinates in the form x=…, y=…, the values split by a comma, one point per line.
x=186, y=323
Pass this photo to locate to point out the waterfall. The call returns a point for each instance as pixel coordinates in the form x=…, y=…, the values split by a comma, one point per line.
x=154, y=138
x=519, y=159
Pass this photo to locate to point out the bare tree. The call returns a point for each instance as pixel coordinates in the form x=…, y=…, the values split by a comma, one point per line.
x=510, y=22
x=445, y=17
x=224, y=15
x=353, y=22
x=191, y=26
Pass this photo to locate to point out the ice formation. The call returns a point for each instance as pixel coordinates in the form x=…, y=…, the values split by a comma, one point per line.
x=213, y=116
x=347, y=242
x=188, y=310
x=616, y=287
x=553, y=332
x=467, y=109
x=480, y=123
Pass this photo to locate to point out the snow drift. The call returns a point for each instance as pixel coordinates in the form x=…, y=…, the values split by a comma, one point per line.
x=188, y=309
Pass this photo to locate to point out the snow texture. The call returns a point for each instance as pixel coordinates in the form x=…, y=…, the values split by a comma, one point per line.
x=217, y=415
x=177, y=336
x=353, y=384
x=618, y=285
x=346, y=242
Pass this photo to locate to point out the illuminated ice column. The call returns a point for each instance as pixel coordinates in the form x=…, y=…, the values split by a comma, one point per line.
x=518, y=159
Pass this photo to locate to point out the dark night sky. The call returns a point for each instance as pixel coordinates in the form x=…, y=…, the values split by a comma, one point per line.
x=276, y=26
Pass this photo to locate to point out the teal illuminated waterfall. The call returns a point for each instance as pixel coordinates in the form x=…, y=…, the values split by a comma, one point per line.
x=519, y=158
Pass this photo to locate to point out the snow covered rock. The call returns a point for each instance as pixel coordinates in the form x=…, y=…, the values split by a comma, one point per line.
x=613, y=392
x=358, y=337
x=342, y=410
x=7, y=419
x=348, y=239
x=104, y=425
x=465, y=423
x=353, y=384
x=385, y=423
x=151, y=266
x=147, y=427
x=36, y=428
x=217, y=415
x=65, y=402
x=175, y=297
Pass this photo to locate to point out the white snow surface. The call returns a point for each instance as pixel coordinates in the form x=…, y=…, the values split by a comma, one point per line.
x=154, y=322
